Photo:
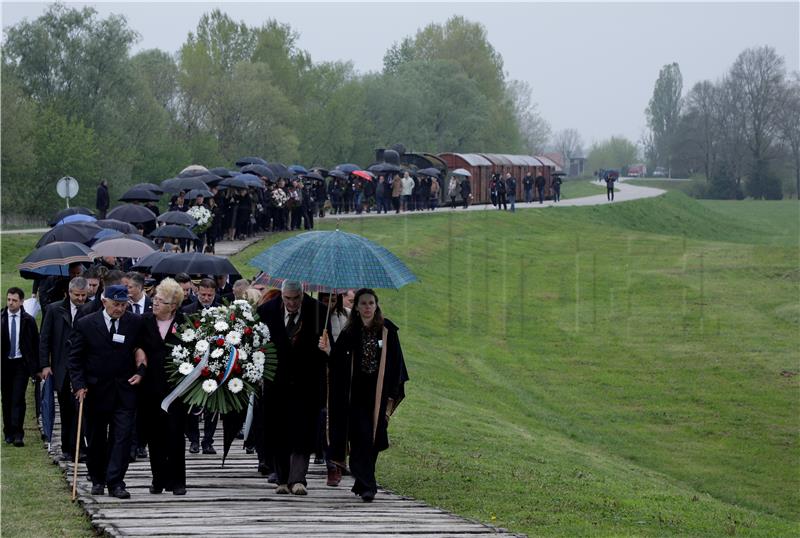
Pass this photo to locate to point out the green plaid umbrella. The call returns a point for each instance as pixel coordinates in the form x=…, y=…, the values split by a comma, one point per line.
x=336, y=260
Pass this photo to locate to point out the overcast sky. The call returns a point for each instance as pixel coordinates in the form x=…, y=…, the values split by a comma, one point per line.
x=592, y=66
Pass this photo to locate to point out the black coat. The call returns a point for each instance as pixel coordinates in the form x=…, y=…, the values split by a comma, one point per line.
x=195, y=307
x=148, y=306
x=293, y=400
x=103, y=200
x=466, y=188
x=27, y=336
x=345, y=358
x=54, y=341
x=101, y=365
x=156, y=384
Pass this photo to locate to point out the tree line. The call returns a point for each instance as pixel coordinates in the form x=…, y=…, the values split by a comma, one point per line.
x=76, y=101
x=740, y=133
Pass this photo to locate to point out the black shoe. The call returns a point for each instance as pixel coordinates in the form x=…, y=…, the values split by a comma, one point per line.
x=273, y=478
x=98, y=489
x=141, y=452
x=209, y=450
x=155, y=490
x=249, y=450
x=262, y=468
x=119, y=492
x=317, y=461
x=179, y=490
x=194, y=448
x=82, y=457
x=67, y=457
x=132, y=457
x=240, y=435
x=9, y=439
x=368, y=496
x=19, y=442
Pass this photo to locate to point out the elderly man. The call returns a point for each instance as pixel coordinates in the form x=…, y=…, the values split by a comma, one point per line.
x=20, y=354
x=53, y=355
x=105, y=366
x=293, y=400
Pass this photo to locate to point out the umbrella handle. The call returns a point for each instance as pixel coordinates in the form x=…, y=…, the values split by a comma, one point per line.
x=77, y=453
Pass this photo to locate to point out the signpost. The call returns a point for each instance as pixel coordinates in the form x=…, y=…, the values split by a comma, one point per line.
x=67, y=187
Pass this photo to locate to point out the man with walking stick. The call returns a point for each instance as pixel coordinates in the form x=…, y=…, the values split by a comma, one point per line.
x=105, y=367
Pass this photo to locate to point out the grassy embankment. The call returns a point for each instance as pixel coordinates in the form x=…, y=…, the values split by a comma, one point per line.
x=613, y=370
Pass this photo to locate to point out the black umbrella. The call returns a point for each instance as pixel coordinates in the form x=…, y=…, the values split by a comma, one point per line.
x=432, y=172
x=321, y=171
x=120, y=226
x=232, y=423
x=57, y=254
x=139, y=195
x=78, y=232
x=558, y=174
x=250, y=160
x=194, y=193
x=348, y=167
x=280, y=170
x=221, y=172
x=194, y=263
x=173, y=231
x=384, y=167
x=259, y=170
x=147, y=262
x=177, y=217
x=297, y=169
x=251, y=180
x=237, y=182
x=67, y=212
x=210, y=179
x=134, y=214
x=338, y=173
x=152, y=187
x=177, y=184
x=313, y=175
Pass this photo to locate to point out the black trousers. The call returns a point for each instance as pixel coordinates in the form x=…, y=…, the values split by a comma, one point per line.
x=109, y=433
x=501, y=201
x=396, y=203
x=209, y=427
x=15, y=377
x=363, y=455
x=556, y=193
x=610, y=193
x=68, y=408
x=540, y=190
x=167, y=445
x=291, y=467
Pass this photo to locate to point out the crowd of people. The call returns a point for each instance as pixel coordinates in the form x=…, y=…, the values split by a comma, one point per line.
x=106, y=336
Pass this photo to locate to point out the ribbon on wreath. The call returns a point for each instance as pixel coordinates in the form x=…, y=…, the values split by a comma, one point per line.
x=185, y=383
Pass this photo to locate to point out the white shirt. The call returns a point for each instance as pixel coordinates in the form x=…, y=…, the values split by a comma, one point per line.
x=141, y=302
x=17, y=353
x=73, y=309
x=107, y=319
x=287, y=316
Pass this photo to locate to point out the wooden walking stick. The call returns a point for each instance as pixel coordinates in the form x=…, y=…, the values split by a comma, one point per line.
x=77, y=453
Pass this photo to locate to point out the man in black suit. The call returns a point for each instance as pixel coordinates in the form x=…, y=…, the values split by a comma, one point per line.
x=293, y=400
x=206, y=298
x=20, y=355
x=53, y=355
x=102, y=200
x=105, y=366
x=138, y=299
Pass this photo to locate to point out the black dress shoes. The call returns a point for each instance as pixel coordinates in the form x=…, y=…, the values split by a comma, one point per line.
x=120, y=493
x=98, y=489
x=194, y=448
x=155, y=490
x=179, y=490
x=368, y=496
x=18, y=441
x=209, y=450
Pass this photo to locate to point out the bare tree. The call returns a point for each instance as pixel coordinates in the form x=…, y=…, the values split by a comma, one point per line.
x=533, y=127
x=702, y=105
x=569, y=144
x=789, y=125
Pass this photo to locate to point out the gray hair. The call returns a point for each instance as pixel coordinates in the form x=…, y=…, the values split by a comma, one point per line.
x=291, y=285
x=78, y=283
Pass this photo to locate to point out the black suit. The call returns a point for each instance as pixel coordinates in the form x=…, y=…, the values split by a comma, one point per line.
x=16, y=372
x=103, y=367
x=54, y=353
x=163, y=431
x=148, y=306
x=294, y=399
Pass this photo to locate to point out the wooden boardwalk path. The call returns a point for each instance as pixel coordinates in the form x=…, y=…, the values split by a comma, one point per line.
x=236, y=501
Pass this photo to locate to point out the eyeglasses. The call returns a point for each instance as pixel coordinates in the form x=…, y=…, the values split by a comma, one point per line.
x=158, y=299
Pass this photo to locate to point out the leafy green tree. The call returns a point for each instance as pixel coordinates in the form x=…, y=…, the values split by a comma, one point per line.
x=615, y=153
x=664, y=111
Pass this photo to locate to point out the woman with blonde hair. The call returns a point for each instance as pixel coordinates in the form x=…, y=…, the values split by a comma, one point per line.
x=164, y=430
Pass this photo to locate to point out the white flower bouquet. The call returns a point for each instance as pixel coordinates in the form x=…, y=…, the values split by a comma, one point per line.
x=202, y=215
x=224, y=355
x=280, y=197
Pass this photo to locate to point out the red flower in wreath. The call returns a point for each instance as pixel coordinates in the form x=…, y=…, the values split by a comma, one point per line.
x=197, y=324
x=220, y=341
x=196, y=360
x=205, y=372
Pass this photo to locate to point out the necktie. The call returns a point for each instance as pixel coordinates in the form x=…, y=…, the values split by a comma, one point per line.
x=136, y=308
x=13, y=353
x=291, y=327
x=113, y=327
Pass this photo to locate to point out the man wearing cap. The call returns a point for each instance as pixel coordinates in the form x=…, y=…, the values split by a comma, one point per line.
x=104, y=367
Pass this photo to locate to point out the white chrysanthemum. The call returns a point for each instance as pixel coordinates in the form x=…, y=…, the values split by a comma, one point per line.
x=243, y=354
x=248, y=315
x=217, y=353
x=209, y=385
x=185, y=368
x=241, y=303
x=188, y=335
x=221, y=326
x=235, y=385
x=259, y=357
x=256, y=340
x=233, y=338
x=201, y=347
x=179, y=352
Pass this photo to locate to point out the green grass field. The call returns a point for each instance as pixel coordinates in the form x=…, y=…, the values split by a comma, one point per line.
x=620, y=370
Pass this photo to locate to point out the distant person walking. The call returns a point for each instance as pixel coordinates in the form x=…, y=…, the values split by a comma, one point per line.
x=527, y=184
x=103, y=200
x=452, y=191
x=501, y=193
x=540, y=183
x=511, y=188
x=397, y=192
x=466, y=191
x=557, y=181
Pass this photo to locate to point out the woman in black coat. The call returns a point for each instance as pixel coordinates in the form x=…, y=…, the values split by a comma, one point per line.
x=164, y=431
x=367, y=378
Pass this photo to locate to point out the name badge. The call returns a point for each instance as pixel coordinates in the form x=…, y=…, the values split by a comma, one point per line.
x=118, y=338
